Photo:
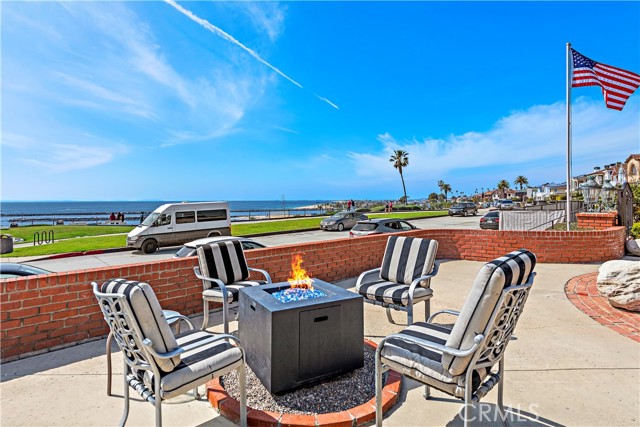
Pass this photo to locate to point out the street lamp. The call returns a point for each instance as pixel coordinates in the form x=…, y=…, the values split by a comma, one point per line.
x=590, y=191
x=607, y=192
x=621, y=177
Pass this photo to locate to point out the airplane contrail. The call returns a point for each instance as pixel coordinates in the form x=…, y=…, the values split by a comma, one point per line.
x=219, y=32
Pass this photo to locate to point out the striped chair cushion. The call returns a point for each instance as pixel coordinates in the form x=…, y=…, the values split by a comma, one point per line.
x=215, y=294
x=422, y=363
x=407, y=258
x=510, y=270
x=197, y=364
x=392, y=293
x=148, y=313
x=224, y=261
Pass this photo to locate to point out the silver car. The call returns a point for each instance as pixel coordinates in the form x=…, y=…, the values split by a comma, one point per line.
x=342, y=220
x=381, y=225
x=189, y=249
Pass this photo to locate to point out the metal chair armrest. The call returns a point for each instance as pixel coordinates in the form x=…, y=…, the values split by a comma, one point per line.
x=416, y=282
x=264, y=273
x=445, y=311
x=189, y=347
x=366, y=273
x=217, y=282
x=181, y=317
x=435, y=346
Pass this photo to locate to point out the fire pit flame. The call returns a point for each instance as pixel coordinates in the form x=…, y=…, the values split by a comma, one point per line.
x=301, y=285
x=299, y=277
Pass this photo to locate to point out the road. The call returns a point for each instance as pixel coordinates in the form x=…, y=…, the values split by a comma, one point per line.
x=135, y=257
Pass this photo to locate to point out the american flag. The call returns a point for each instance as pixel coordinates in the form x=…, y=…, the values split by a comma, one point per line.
x=617, y=84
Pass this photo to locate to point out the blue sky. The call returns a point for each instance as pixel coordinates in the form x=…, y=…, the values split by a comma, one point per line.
x=205, y=100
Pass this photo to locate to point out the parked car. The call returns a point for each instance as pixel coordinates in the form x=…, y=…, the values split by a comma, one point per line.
x=507, y=205
x=379, y=226
x=464, y=209
x=189, y=248
x=342, y=220
x=491, y=221
x=12, y=269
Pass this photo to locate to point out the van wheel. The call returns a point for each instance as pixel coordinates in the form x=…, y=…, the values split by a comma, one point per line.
x=149, y=246
x=214, y=234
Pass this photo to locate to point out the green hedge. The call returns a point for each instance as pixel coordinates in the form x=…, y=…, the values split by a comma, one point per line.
x=635, y=230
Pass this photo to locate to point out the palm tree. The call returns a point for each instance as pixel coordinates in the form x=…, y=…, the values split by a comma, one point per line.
x=444, y=187
x=521, y=181
x=503, y=185
x=400, y=159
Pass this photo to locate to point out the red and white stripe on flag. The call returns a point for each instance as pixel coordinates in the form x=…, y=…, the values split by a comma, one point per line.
x=617, y=84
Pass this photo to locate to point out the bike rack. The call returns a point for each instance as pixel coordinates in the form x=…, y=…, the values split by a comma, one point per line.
x=44, y=237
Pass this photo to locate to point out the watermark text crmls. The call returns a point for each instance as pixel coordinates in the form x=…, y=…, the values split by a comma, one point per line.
x=486, y=412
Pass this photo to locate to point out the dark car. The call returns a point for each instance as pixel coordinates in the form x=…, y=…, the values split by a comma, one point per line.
x=189, y=248
x=381, y=225
x=342, y=220
x=12, y=269
x=491, y=221
x=464, y=209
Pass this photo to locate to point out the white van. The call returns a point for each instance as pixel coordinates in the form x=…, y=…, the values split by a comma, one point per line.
x=177, y=223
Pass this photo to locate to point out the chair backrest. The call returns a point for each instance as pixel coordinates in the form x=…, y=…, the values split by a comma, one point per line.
x=133, y=312
x=224, y=261
x=407, y=258
x=499, y=275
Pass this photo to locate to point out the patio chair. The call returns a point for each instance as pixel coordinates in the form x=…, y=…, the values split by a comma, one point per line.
x=404, y=278
x=157, y=364
x=223, y=270
x=451, y=359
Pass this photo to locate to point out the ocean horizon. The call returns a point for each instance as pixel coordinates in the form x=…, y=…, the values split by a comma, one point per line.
x=37, y=211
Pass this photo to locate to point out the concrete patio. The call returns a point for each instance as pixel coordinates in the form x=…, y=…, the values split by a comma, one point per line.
x=564, y=369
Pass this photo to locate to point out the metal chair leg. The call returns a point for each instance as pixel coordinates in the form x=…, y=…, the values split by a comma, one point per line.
x=427, y=309
x=389, y=316
x=427, y=392
x=158, y=401
x=467, y=397
x=205, y=319
x=125, y=414
x=225, y=315
x=243, y=396
x=503, y=414
x=108, y=351
x=378, y=375
x=410, y=314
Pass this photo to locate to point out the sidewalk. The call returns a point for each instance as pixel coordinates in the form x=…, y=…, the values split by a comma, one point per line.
x=564, y=369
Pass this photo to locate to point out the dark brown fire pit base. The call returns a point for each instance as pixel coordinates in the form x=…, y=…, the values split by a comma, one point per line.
x=229, y=407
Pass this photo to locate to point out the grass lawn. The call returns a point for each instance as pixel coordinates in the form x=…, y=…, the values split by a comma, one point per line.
x=80, y=238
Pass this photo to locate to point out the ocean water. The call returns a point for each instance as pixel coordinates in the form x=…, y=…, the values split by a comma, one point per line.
x=25, y=213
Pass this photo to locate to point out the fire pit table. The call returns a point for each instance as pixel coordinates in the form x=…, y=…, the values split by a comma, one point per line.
x=291, y=342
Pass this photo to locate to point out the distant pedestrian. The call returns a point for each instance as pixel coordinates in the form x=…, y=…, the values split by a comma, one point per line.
x=386, y=207
x=390, y=206
x=112, y=217
x=141, y=217
x=349, y=205
x=353, y=204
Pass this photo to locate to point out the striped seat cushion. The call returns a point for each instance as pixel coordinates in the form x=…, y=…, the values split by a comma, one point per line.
x=224, y=261
x=392, y=293
x=510, y=270
x=149, y=315
x=422, y=363
x=197, y=366
x=215, y=294
x=407, y=258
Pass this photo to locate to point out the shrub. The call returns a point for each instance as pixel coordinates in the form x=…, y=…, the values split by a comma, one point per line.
x=635, y=230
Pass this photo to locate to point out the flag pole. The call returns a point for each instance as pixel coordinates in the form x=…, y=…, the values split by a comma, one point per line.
x=569, y=61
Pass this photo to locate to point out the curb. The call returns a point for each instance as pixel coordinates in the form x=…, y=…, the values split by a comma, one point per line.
x=363, y=414
x=90, y=252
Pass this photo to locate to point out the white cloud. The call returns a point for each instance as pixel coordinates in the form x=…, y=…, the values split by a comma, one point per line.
x=266, y=16
x=536, y=136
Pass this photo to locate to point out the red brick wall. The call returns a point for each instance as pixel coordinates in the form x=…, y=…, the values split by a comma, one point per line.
x=42, y=313
x=597, y=221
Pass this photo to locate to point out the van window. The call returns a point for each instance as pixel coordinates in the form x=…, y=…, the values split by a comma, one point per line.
x=185, y=217
x=212, y=215
x=164, y=219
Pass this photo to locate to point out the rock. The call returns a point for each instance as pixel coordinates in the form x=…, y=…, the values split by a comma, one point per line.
x=633, y=247
x=619, y=282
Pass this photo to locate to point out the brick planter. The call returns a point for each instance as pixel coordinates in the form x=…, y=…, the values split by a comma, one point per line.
x=597, y=221
x=360, y=415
